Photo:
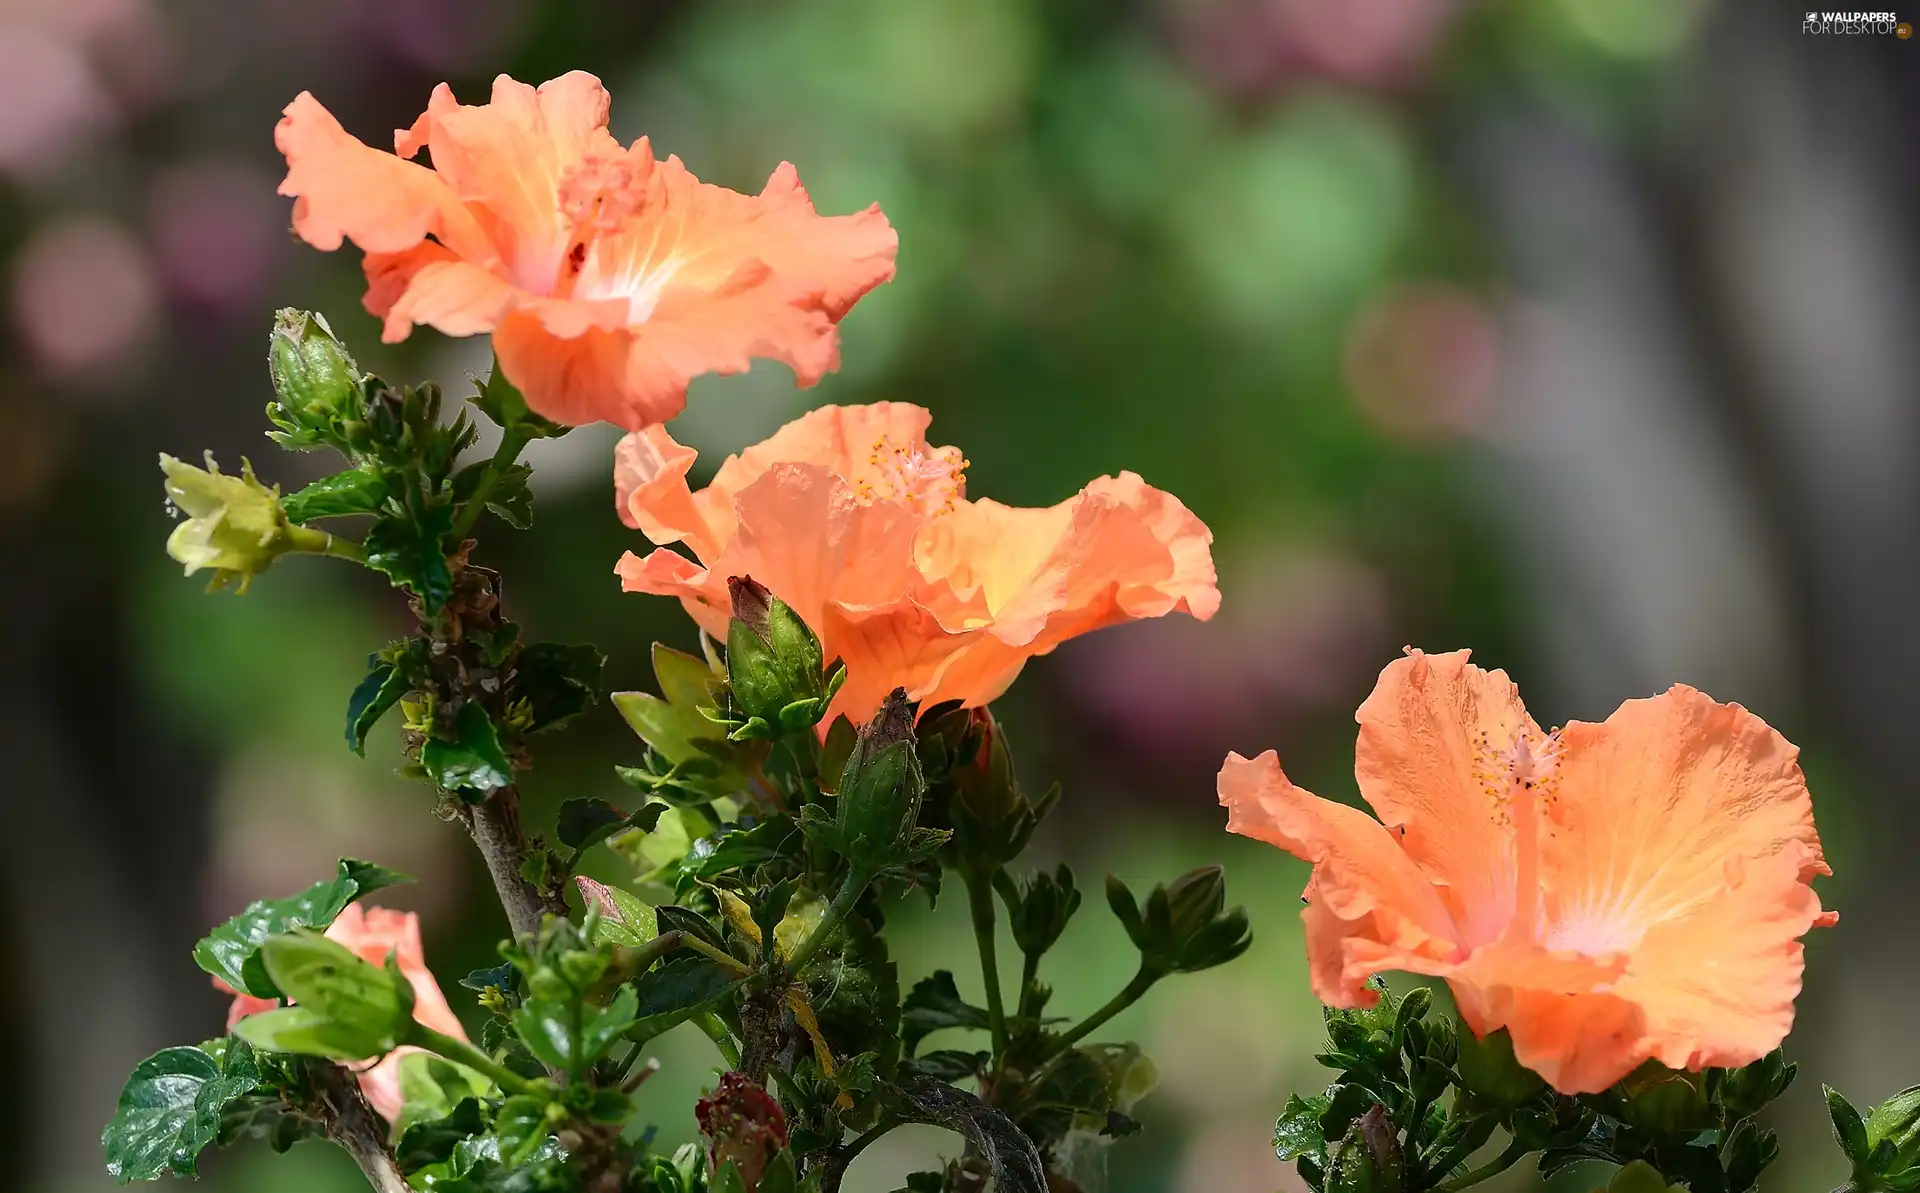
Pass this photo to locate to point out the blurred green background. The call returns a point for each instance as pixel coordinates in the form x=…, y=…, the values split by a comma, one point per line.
x=1575, y=331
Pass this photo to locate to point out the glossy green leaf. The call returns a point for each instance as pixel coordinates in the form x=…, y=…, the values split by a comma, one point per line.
x=231, y=951
x=413, y=555
x=473, y=766
x=382, y=688
x=934, y=1004
x=432, y=1140
x=171, y=1107
x=351, y=492
x=625, y=919
x=667, y=995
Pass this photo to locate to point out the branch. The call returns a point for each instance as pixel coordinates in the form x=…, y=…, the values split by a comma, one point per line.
x=360, y=1132
x=495, y=826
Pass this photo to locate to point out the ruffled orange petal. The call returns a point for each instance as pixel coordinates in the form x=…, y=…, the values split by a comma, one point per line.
x=512, y=156
x=1431, y=761
x=344, y=189
x=1680, y=832
x=428, y=284
x=650, y=490
x=1567, y=1019
x=1365, y=889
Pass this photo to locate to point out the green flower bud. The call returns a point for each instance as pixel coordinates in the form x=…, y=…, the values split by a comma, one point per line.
x=773, y=664
x=346, y=1008
x=1039, y=909
x=878, y=806
x=234, y=524
x=1664, y=1101
x=1185, y=926
x=1893, y=1135
x=1367, y=1159
x=1489, y=1071
x=317, y=382
x=991, y=816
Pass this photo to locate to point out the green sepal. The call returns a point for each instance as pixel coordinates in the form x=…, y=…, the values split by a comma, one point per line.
x=231, y=952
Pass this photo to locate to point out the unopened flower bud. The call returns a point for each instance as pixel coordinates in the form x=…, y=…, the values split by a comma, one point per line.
x=1185, y=926
x=344, y=1008
x=991, y=815
x=773, y=663
x=234, y=524
x=1367, y=1159
x=1893, y=1137
x=881, y=788
x=1043, y=906
x=316, y=381
x=1489, y=1071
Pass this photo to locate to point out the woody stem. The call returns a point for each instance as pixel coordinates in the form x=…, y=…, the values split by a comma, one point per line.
x=494, y=824
x=351, y=1123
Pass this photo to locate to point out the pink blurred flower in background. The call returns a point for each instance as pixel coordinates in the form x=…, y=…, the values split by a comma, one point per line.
x=1422, y=360
x=1303, y=636
x=84, y=296
x=1249, y=47
x=216, y=230
x=69, y=69
x=373, y=933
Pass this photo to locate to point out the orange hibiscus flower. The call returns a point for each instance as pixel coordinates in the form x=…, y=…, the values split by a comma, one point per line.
x=850, y=517
x=373, y=932
x=1608, y=893
x=608, y=279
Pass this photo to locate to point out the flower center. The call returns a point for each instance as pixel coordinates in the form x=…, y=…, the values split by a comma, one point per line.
x=931, y=480
x=600, y=195
x=1519, y=776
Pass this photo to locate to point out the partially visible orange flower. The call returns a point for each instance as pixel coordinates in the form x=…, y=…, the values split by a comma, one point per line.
x=607, y=278
x=374, y=932
x=1608, y=893
x=850, y=517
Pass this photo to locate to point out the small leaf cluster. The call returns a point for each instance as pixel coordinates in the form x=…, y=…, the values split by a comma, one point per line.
x=1418, y=1096
x=1884, y=1146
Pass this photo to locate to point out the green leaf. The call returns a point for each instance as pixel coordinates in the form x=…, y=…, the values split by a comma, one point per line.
x=558, y=682
x=933, y=1004
x=432, y=1141
x=350, y=492
x=511, y=498
x=1298, y=1132
x=739, y=849
x=521, y=1125
x=586, y=822
x=382, y=688
x=600, y=1028
x=625, y=919
x=171, y=1108
x=473, y=766
x=500, y=400
x=231, y=952
x=670, y=994
x=413, y=555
